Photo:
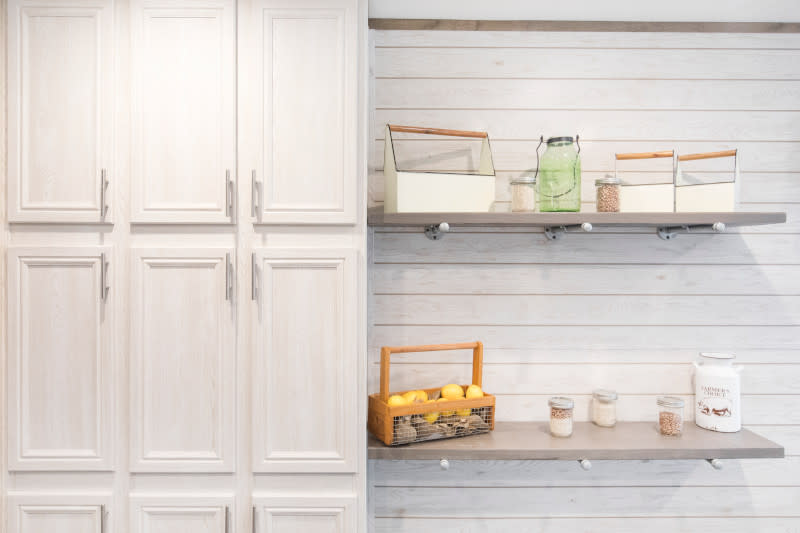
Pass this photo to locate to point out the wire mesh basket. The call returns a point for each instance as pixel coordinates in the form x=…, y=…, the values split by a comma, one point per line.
x=418, y=422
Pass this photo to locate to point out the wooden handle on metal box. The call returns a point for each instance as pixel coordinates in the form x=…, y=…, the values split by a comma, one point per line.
x=645, y=155
x=438, y=131
x=387, y=351
x=707, y=155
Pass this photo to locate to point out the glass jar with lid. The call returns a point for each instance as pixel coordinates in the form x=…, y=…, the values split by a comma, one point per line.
x=559, y=174
x=670, y=415
x=604, y=408
x=561, y=416
x=608, y=194
x=523, y=194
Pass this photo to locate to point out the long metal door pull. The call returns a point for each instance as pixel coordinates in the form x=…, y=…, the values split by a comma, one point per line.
x=104, y=288
x=253, y=194
x=103, y=187
x=228, y=194
x=228, y=277
x=253, y=277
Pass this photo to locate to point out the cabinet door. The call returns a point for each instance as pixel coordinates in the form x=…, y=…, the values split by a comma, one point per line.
x=60, y=76
x=303, y=58
x=305, y=515
x=60, y=358
x=184, y=110
x=61, y=513
x=170, y=514
x=305, y=361
x=182, y=360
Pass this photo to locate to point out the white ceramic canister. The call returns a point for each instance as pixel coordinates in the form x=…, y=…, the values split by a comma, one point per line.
x=717, y=387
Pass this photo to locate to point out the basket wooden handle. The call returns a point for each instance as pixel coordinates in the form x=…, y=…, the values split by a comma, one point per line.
x=387, y=351
x=438, y=131
x=707, y=155
x=645, y=155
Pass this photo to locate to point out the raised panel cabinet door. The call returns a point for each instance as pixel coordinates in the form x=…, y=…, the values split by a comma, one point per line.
x=60, y=105
x=303, y=55
x=305, y=360
x=305, y=515
x=183, y=356
x=61, y=513
x=60, y=358
x=184, y=110
x=179, y=514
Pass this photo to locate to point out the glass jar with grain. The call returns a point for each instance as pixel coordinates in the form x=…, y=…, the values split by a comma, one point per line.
x=608, y=194
x=523, y=194
x=604, y=408
x=670, y=415
x=561, y=416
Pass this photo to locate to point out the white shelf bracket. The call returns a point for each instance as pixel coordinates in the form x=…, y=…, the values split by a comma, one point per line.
x=668, y=233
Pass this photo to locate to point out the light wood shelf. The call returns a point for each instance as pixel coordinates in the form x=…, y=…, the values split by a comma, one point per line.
x=512, y=441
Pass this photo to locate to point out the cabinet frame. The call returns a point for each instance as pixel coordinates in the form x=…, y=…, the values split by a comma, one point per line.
x=99, y=504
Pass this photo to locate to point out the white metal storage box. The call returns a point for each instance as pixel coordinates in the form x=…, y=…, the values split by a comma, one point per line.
x=697, y=194
x=427, y=192
x=647, y=197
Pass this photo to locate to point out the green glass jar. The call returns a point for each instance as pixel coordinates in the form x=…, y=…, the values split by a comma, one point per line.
x=560, y=175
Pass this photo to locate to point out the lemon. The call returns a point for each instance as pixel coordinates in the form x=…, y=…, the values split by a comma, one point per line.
x=474, y=391
x=431, y=417
x=396, y=400
x=410, y=396
x=446, y=413
x=463, y=413
x=422, y=395
x=452, y=392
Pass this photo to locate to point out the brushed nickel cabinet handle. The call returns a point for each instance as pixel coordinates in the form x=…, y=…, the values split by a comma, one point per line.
x=228, y=194
x=253, y=277
x=103, y=187
x=253, y=194
x=104, y=287
x=102, y=519
x=228, y=277
x=227, y=517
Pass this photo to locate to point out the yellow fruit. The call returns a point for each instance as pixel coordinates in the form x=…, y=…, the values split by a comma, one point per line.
x=452, y=392
x=446, y=413
x=422, y=395
x=410, y=396
x=431, y=417
x=397, y=400
x=463, y=413
x=473, y=391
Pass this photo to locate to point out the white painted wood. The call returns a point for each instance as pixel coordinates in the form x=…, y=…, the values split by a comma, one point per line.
x=64, y=513
x=302, y=58
x=305, y=514
x=182, y=361
x=60, y=105
x=184, y=110
x=305, y=364
x=164, y=513
x=61, y=358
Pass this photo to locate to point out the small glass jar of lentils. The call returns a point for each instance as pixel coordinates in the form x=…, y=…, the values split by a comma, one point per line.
x=670, y=415
x=608, y=194
x=561, y=416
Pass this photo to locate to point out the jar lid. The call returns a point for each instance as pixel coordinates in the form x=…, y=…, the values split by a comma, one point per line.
x=717, y=355
x=669, y=401
x=608, y=180
x=559, y=140
x=605, y=394
x=523, y=180
x=561, y=402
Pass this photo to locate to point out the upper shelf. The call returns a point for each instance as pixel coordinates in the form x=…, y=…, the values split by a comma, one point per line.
x=666, y=223
x=627, y=440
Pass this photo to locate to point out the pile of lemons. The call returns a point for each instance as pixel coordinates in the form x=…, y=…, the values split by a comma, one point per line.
x=448, y=393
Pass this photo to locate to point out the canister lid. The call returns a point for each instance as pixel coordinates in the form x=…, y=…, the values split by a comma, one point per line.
x=669, y=401
x=561, y=402
x=608, y=180
x=605, y=394
x=523, y=179
x=560, y=140
x=717, y=355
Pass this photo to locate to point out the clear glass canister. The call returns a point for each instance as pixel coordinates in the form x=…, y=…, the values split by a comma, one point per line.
x=560, y=176
x=604, y=408
x=523, y=194
x=670, y=415
x=608, y=194
x=561, y=416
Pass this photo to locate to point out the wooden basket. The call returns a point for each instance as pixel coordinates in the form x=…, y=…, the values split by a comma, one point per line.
x=390, y=423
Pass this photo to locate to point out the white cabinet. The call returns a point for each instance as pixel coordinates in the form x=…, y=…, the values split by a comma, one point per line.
x=60, y=358
x=305, y=361
x=184, y=110
x=180, y=514
x=57, y=513
x=60, y=138
x=301, y=58
x=183, y=357
x=305, y=515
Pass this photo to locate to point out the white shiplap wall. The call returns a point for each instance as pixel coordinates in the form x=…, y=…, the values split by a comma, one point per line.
x=623, y=311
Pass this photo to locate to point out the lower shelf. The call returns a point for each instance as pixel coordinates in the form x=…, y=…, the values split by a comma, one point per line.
x=512, y=441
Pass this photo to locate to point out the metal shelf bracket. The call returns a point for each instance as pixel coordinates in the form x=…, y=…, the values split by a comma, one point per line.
x=668, y=233
x=436, y=231
x=555, y=232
